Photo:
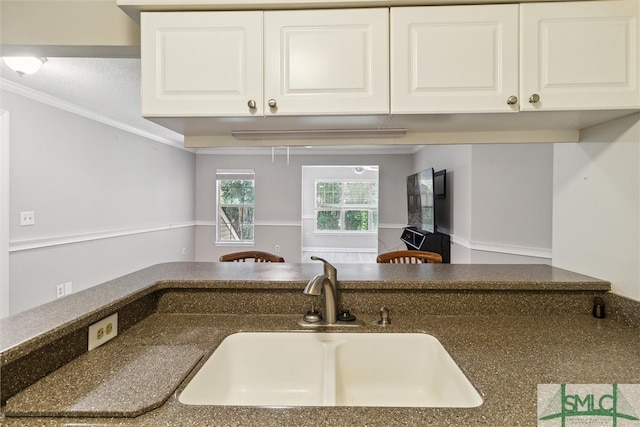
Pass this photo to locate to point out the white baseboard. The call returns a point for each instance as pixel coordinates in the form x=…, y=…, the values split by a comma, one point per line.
x=503, y=249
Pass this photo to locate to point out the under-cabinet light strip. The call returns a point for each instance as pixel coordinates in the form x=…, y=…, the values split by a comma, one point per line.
x=319, y=134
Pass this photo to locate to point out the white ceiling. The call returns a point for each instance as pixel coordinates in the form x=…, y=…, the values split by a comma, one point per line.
x=108, y=89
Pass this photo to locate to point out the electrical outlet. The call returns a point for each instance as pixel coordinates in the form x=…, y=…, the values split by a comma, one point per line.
x=60, y=290
x=102, y=331
x=184, y=251
x=277, y=248
x=27, y=218
x=68, y=288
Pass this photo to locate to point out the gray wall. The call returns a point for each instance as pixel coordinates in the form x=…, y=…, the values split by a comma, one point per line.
x=596, y=204
x=500, y=200
x=278, y=214
x=499, y=197
x=106, y=202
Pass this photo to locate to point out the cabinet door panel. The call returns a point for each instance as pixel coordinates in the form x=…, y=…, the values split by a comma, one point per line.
x=580, y=55
x=454, y=58
x=315, y=63
x=199, y=64
x=327, y=62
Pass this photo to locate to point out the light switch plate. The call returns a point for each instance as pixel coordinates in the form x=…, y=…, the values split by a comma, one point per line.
x=102, y=331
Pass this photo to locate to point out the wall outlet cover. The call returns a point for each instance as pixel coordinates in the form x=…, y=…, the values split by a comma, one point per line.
x=27, y=218
x=102, y=331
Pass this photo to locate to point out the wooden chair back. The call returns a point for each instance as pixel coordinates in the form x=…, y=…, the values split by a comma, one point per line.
x=409, y=257
x=255, y=256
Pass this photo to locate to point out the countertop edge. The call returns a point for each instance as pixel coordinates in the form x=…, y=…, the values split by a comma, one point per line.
x=45, y=324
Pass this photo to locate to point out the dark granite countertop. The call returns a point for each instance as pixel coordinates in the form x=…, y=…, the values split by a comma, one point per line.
x=505, y=357
x=36, y=327
x=538, y=330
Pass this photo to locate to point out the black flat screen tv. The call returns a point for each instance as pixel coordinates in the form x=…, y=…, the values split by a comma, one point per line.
x=426, y=210
x=420, y=201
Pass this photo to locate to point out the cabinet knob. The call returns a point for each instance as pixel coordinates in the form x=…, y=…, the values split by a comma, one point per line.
x=512, y=100
x=251, y=104
x=272, y=103
x=534, y=98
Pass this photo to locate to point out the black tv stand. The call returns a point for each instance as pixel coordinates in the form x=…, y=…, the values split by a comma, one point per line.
x=419, y=240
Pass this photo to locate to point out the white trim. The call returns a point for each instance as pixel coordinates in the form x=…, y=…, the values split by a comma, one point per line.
x=29, y=244
x=398, y=227
x=346, y=233
x=278, y=223
x=4, y=214
x=384, y=226
x=340, y=250
x=244, y=243
x=75, y=109
x=502, y=248
x=256, y=223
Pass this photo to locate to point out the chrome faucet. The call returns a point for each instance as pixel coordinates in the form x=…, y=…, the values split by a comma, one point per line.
x=325, y=285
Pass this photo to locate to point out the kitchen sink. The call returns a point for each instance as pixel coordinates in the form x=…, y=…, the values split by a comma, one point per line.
x=330, y=369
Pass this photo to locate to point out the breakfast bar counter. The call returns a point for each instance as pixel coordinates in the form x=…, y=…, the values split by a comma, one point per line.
x=508, y=327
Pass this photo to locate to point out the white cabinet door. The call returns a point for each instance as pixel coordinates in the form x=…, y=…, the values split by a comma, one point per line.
x=326, y=61
x=454, y=59
x=580, y=55
x=201, y=63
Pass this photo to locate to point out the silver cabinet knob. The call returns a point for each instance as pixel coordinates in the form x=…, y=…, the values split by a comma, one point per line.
x=512, y=100
x=534, y=98
x=272, y=103
x=252, y=104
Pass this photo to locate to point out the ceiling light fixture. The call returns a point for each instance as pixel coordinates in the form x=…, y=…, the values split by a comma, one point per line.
x=319, y=134
x=24, y=65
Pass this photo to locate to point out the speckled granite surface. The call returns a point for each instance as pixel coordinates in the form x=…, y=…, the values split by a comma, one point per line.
x=507, y=325
x=21, y=333
x=124, y=381
x=505, y=357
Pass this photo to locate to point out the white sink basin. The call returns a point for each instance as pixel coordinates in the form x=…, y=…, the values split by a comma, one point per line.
x=330, y=369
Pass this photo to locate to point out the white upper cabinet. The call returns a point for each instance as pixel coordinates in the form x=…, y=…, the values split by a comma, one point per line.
x=315, y=62
x=201, y=63
x=580, y=55
x=454, y=59
x=573, y=56
x=576, y=56
x=326, y=62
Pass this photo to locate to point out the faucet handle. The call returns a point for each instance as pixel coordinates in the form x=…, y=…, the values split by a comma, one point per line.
x=329, y=269
x=312, y=315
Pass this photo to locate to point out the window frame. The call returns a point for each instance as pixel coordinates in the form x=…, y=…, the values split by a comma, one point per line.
x=234, y=175
x=372, y=208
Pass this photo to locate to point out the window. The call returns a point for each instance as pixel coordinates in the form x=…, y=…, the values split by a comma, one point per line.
x=235, y=194
x=346, y=206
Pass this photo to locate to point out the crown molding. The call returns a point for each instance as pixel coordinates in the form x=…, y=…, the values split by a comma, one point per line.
x=83, y=112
